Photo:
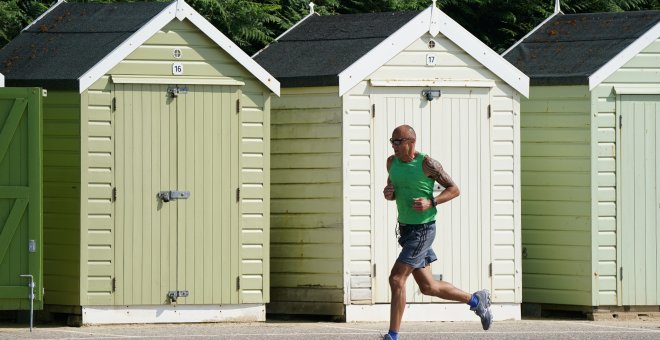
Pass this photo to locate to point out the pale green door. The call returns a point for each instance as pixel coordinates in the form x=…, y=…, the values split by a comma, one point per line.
x=183, y=143
x=639, y=166
x=455, y=130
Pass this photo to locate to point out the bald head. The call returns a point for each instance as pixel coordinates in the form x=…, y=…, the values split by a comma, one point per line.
x=405, y=131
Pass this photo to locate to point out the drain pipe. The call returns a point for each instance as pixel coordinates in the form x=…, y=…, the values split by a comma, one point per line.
x=30, y=296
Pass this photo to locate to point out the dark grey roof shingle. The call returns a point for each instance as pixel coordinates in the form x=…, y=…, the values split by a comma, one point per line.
x=59, y=48
x=321, y=47
x=571, y=47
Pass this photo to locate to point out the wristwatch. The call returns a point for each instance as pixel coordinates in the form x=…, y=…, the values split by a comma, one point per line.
x=433, y=204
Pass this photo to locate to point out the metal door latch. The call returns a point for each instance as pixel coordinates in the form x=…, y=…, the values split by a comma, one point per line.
x=167, y=196
x=174, y=294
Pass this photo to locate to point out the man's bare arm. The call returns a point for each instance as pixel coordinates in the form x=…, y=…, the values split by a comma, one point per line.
x=433, y=169
x=388, y=192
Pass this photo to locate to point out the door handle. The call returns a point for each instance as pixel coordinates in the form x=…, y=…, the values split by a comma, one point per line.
x=171, y=195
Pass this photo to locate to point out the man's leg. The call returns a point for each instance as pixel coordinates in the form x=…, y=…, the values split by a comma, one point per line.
x=398, y=277
x=479, y=302
x=442, y=289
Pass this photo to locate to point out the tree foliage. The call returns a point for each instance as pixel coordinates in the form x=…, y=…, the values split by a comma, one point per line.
x=252, y=24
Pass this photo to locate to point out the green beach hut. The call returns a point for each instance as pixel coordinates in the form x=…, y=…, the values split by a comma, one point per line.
x=156, y=158
x=348, y=80
x=591, y=161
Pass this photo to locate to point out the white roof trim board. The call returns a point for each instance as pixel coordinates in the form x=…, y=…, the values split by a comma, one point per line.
x=531, y=32
x=624, y=56
x=424, y=22
x=180, y=10
x=43, y=14
x=311, y=13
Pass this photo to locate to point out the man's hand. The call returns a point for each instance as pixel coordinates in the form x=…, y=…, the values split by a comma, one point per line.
x=421, y=204
x=388, y=192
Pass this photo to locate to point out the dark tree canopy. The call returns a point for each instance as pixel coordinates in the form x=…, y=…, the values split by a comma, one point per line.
x=252, y=24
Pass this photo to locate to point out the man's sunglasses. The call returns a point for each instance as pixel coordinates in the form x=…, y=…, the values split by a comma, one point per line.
x=398, y=142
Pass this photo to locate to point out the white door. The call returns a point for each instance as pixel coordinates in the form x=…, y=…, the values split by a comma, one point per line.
x=455, y=130
x=639, y=170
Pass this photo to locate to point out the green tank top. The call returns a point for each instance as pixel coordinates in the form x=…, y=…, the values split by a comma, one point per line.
x=409, y=183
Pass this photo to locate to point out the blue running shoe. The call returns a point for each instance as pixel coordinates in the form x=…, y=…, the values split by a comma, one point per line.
x=482, y=309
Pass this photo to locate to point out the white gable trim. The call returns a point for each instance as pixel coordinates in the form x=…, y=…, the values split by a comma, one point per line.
x=181, y=10
x=415, y=28
x=531, y=32
x=2, y=80
x=290, y=28
x=624, y=56
x=231, y=48
x=129, y=45
x=44, y=14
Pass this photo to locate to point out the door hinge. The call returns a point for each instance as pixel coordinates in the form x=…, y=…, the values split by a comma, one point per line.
x=620, y=121
x=114, y=194
x=238, y=105
x=113, y=105
x=489, y=111
x=114, y=284
x=620, y=273
x=238, y=283
x=373, y=274
x=238, y=194
x=490, y=269
x=373, y=110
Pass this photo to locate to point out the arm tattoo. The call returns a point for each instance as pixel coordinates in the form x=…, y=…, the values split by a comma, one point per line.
x=433, y=169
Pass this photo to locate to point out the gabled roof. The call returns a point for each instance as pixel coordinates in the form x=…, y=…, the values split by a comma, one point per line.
x=318, y=48
x=583, y=49
x=73, y=45
x=344, y=49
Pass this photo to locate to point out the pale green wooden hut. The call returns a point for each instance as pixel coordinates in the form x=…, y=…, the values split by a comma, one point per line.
x=156, y=158
x=590, y=160
x=348, y=80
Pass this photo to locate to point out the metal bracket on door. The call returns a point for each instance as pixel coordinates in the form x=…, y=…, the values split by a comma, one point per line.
x=174, y=294
x=167, y=196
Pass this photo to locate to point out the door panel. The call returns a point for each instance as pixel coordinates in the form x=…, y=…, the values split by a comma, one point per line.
x=208, y=232
x=145, y=163
x=640, y=200
x=183, y=143
x=453, y=129
x=20, y=197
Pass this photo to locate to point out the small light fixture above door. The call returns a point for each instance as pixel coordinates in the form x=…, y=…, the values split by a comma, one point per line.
x=431, y=94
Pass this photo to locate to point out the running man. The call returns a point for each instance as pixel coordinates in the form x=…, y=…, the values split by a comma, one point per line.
x=411, y=178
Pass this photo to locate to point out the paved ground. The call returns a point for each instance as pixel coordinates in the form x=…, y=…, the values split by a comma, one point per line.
x=525, y=329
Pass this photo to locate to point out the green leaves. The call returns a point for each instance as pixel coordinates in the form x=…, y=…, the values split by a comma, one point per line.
x=252, y=24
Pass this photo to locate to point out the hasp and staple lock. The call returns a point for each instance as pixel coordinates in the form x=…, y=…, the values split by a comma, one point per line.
x=167, y=196
x=174, y=294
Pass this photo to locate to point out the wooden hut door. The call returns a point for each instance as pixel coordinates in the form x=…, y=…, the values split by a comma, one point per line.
x=453, y=129
x=182, y=141
x=639, y=167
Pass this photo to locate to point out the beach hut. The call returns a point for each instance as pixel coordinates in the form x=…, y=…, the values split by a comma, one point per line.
x=347, y=81
x=590, y=160
x=156, y=158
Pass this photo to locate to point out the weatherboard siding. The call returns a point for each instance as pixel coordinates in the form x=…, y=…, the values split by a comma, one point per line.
x=61, y=190
x=455, y=65
x=556, y=195
x=306, y=202
x=643, y=70
x=200, y=57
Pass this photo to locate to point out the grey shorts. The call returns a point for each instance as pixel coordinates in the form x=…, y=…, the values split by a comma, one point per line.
x=416, y=241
